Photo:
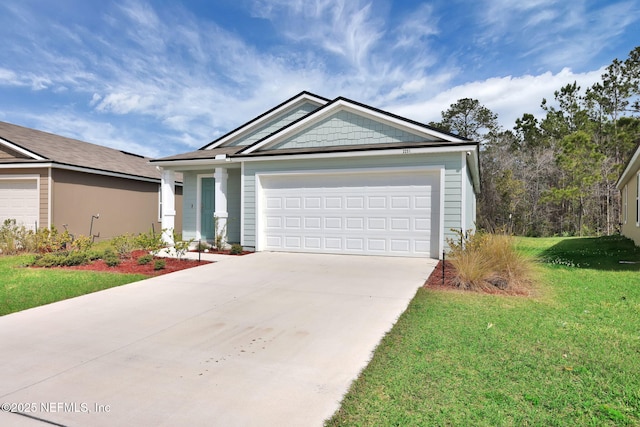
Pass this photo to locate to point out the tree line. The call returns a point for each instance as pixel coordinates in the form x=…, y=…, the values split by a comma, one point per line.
x=556, y=175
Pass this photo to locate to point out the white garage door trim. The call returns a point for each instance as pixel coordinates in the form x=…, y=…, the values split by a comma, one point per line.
x=31, y=203
x=435, y=171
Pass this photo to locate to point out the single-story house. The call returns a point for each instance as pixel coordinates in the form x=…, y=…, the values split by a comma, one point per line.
x=629, y=186
x=329, y=176
x=49, y=180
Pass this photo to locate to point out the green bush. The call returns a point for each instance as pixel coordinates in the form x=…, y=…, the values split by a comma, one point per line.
x=81, y=243
x=236, y=249
x=50, y=240
x=145, y=259
x=110, y=258
x=75, y=258
x=112, y=261
x=48, y=260
x=159, y=264
x=149, y=241
x=61, y=259
x=124, y=244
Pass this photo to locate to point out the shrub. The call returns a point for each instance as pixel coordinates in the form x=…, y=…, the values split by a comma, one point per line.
x=159, y=264
x=181, y=247
x=149, y=241
x=8, y=244
x=236, y=249
x=110, y=258
x=112, y=261
x=145, y=259
x=48, y=260
x=485, y=261
x=59, y=259
x=75, y=258
x=50, y=240
x=81, y=243
x=124, y=244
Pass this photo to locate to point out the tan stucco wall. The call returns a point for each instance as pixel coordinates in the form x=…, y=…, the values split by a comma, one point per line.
x=43, y=179
x=124, y=205
x=630, y=228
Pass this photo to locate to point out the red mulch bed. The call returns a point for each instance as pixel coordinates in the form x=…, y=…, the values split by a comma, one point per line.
x=435, y=282
x=130, y=265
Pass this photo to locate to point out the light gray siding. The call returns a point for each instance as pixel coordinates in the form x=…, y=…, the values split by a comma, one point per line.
x=469, y=203
x=275, y=124
x=233, y=206
x=452, y=194
x=189, y=205
x=346, y=128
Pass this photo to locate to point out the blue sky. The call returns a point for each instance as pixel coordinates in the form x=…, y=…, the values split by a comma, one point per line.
x=164, y=77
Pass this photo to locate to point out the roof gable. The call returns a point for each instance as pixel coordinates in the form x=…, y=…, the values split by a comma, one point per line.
x=347, y=128
x=345, y=122
x=271, y=121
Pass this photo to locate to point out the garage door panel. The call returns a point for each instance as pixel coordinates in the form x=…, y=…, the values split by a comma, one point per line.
x=354, y=202
x=274, y=203
x=333, y=243
x=19, y=200
x=377, y=214
x=312, y=203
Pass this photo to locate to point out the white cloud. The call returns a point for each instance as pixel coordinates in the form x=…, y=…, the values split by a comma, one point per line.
x=9, y=78
x=166, y=78
x=510, y=97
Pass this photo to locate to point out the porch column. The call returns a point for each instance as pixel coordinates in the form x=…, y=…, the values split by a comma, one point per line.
x=167, y=192
x=220, y=184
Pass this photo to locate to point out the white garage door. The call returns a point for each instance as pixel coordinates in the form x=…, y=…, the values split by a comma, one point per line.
x=352, y=213
x=19, y=200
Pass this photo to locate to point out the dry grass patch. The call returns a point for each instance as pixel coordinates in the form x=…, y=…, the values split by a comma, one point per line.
x=486, y=262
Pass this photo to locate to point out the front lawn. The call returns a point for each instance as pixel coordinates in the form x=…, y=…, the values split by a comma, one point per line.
x=569, y=356
x=22, y=287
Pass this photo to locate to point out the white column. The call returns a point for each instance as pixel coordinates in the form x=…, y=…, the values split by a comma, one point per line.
x=167, y=189
x=220, y=183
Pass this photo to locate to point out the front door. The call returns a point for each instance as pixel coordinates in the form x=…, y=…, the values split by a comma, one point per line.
x=207, y=208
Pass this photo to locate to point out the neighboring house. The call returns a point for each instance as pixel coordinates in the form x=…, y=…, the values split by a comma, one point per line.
x=629, y=186
x=329, y=176
x=49, y=180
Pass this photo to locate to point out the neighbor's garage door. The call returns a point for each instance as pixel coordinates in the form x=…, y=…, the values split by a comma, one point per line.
x=351, y=213
x=19, y=200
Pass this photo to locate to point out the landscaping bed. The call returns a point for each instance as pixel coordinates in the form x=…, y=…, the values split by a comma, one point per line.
x=130, y=265
x=449, y=283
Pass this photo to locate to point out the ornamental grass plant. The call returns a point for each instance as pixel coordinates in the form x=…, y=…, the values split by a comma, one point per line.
x=486, y=261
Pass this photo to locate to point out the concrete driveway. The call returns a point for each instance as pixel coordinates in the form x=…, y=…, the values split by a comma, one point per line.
x=264, y=339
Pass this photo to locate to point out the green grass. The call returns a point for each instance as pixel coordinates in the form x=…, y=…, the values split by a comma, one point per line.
x=569, y=356
x=22, y=288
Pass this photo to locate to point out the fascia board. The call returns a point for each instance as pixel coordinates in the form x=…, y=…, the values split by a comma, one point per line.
x=627, y=174
x=195, y=163
x=21, y=150
x=389, y=152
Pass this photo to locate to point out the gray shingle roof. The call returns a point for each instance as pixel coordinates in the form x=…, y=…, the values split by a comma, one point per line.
x=68, y=151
